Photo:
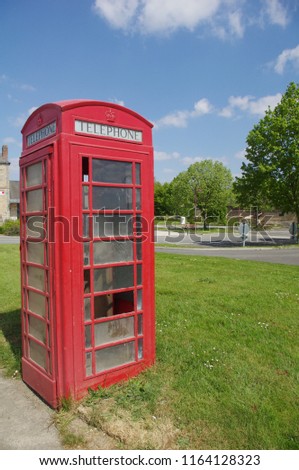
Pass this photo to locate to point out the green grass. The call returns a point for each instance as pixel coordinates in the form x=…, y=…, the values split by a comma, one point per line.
x=10, y=301
x=227, y=371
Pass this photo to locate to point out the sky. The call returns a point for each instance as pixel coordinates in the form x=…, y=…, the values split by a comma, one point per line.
x=202, y=71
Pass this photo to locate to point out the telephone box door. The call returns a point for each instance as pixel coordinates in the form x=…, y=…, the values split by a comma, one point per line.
x=114, y=333
x=37, y=312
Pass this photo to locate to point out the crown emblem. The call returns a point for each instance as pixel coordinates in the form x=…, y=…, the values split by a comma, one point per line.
x=39, y=120
x=110, y=115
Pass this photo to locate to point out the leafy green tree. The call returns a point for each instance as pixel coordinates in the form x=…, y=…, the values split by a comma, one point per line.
x=271, y=176
x=206, y=186
x=163, y=199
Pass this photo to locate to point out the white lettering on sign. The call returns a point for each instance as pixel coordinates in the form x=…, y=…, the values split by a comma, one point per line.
x=105, y=130
x=41, y=134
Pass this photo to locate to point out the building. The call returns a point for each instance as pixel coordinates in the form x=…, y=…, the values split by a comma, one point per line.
x=9, y=190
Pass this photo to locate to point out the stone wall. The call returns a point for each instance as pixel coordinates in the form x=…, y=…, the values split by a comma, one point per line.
x=4, y=184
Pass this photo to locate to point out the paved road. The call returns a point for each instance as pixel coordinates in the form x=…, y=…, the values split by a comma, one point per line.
x=4, y=240
x=261, y=248
x=269, y=255
x=271, y=247
x=224, y=238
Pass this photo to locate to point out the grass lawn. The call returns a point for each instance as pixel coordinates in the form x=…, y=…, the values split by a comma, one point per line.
x=226, y=375
x=10, y=301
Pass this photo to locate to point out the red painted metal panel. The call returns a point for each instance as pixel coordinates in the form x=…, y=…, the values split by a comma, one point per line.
x=93, y=336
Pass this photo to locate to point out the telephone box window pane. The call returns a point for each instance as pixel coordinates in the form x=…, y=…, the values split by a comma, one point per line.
x=38, y=354
x=139, y=274
x=112, y=225
x=112, y=251
x=110, y=171
x=113, y=304
x=139, y=299
x=85, y=165
x=113, y=278
x=123, y=302
x=88, y=357
x=86, y=254
x=140, y=348
x=85, y=192
x=140, y=324
x=86, y=281
x=115, y=356
x=113, y=330
x=49, y=336
x=85, y=225
x=88, y=336
x=138, y=225
x=103, y=306
x=87, y=315
x=35, y=226
x=138, y=199
x=37, y=328
x=37, y=303
x=35, y=253
x=34, y=200
x=34, y=175
x=36, y=278
x=111, y=198
x=138, y=177
x=139, y=248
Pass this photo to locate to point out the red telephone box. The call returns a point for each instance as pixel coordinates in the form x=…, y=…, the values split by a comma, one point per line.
x=87, y=251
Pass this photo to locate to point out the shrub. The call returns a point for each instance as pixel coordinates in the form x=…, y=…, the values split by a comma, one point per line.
x=10, y=227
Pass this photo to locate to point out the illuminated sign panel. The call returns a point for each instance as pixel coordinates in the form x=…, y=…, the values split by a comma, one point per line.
x=104, y=130
x=41, y=134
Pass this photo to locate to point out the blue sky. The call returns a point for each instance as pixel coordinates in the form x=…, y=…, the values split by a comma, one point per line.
x=203, y=71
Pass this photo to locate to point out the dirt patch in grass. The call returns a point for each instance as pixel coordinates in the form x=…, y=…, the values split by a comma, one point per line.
x=121, y=430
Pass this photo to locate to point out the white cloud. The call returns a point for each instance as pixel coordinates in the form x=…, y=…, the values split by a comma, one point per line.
x=11, y=141
x=163, y=156
x=169, y=15
x=26, y=87
x=276, y=12
x=261, y=105
x=177, y=119
x=20, y=120
x=118, y=13
x=116, y=101
x=180, y=118
x=226, y=112
x=223, y=18
x=288, y=55
x=190, y=160
x=249, y=104
x=240, y=155
x=235, y=22
x=31, y=110
x=202, y=107
x=167, y=175
x=241, y=102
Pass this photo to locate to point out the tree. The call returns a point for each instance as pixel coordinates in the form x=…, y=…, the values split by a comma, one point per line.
x=163, y=200
x=271, y=176
x=206, y=186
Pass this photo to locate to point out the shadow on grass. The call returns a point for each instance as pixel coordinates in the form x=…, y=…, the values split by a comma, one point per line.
x=10, y=324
